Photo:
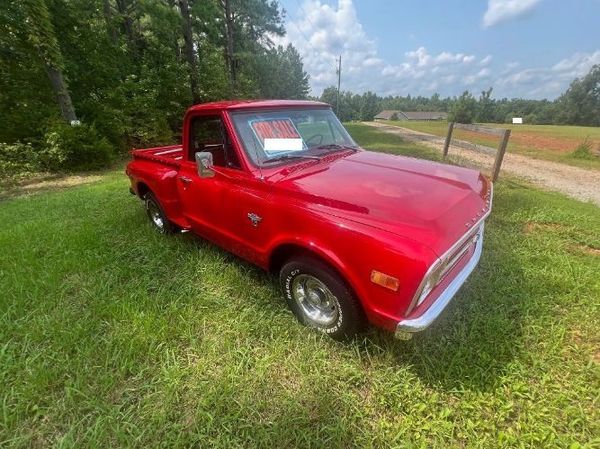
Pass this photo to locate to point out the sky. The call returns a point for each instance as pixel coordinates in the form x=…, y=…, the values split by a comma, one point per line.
x=521, y=48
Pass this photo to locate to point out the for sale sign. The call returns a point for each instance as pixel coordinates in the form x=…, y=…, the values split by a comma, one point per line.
x=277, y=135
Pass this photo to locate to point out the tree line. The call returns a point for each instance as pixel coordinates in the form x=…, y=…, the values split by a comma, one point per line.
x=126, y=70
x=578, y=105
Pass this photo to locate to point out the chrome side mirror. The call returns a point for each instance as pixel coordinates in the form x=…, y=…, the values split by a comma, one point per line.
x=204, y=161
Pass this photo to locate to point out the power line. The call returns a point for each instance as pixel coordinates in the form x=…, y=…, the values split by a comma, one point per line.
x=305, y=13
x=303, y=36
x=312, y=47
x=302, y=33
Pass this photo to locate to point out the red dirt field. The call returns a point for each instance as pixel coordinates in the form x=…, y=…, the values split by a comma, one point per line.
x=535, y=140
x=526, y=139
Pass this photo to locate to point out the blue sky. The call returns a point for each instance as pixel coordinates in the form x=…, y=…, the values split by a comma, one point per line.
x=521, y=48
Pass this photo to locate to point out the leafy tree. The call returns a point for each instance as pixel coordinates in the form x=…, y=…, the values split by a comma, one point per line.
x=133, y=67
x=190, y=53
x=248, y=28
x=329, y=95
x=349, y=103
x=580, y=104
x=464, y=109
x=369, y=106
x=26, y=99
x=485, y=108
x=282, y=74
x=228, y=16
x=42, y=37
x=129, y=14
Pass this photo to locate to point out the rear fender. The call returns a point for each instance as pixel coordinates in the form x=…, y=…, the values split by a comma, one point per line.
x=162, y=182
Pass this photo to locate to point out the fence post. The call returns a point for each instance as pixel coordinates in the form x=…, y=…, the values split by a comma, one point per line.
x=500, y=155
x=448, y=139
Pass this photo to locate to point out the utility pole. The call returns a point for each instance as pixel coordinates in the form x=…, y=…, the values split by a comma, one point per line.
x=339, y=74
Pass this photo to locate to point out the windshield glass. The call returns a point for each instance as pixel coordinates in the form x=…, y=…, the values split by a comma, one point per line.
x=290, y=133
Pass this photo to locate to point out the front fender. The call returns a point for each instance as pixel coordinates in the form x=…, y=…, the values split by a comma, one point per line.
x=354, y=250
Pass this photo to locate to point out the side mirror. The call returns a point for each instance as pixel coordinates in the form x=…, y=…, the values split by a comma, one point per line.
x=204, y=161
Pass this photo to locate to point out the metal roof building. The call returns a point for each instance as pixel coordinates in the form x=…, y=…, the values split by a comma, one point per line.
x=416, y=115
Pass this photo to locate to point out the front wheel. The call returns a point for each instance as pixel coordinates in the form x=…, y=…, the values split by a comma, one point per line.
x=320, y=299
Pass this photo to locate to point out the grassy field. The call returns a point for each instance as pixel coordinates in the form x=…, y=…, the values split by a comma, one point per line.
x=550, y=142
x=114, y=336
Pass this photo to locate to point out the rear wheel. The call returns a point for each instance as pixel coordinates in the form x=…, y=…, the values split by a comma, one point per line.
x=158, y=219
x=320, y=298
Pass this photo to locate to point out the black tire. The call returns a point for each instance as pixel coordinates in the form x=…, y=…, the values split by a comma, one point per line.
x=157, y=216
x=305, y=276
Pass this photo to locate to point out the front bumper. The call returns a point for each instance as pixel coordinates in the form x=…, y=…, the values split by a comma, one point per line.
x=405, y=328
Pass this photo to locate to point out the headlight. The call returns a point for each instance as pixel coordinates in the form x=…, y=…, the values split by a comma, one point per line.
x=433, y=278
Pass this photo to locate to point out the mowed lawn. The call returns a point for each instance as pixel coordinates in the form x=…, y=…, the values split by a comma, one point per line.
x=114, y=336
x=550, y=142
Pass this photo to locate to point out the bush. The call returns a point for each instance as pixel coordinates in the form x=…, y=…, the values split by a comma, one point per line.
x=584, y=150
x=75, y=148
x=17, y=160
x=64, y=148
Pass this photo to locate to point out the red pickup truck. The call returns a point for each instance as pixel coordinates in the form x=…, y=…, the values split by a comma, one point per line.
x=354, y=235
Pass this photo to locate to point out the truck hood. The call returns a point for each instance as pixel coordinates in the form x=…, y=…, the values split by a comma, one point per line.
x=429, y=202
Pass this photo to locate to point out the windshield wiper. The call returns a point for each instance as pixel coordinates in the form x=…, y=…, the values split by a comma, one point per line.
x=284, y=157
x=333, y=146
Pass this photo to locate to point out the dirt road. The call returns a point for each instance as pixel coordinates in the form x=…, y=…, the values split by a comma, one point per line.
x=575, y=182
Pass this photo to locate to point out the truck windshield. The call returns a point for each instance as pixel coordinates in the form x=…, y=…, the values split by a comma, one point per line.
x=290, y=134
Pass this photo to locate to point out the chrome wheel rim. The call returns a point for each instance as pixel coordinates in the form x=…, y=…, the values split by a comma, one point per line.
x=155, y=215
x=315, y=300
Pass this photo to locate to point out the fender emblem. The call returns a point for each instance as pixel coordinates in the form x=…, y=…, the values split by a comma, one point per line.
x=255, y=219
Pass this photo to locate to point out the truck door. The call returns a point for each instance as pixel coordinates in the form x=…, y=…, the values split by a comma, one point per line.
x=200, y=197
x=229, y=207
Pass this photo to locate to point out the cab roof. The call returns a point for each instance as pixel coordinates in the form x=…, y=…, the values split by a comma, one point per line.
x=256, y=104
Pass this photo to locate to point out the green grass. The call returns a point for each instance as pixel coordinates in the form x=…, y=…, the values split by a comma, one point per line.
x=114, y=336
x=556, y=142
x=373, y=139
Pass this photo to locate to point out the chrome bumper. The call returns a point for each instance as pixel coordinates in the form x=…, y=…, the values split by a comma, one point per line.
x=407, y=327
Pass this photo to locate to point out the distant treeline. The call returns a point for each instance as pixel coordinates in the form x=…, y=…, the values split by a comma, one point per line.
x=579, y=105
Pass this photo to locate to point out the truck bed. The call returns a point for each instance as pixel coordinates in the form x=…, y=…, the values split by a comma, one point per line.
x=171, y=155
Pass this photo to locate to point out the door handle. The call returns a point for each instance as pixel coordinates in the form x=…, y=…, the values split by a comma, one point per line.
x=185, y=179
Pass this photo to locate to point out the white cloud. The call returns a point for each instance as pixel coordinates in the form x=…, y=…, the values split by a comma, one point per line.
x=503, y=10
x=476, y=79
x=546, y=82
x=486, y=60
x=578, y=64
x=321, y=32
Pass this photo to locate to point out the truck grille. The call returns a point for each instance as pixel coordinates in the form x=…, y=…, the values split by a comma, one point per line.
x=444, y=265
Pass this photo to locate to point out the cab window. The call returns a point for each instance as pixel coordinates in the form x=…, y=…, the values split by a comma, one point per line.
x=208, y=134
x=267, y=135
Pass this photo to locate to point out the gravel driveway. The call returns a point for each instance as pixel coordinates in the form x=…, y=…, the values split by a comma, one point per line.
x=575, y=182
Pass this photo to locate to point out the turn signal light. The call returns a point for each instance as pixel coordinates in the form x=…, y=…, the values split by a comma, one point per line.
x=389, y=282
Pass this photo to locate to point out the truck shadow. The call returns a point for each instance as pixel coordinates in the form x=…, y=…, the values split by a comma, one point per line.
x=480, y=334
x=477, y=337
x=469, y=346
